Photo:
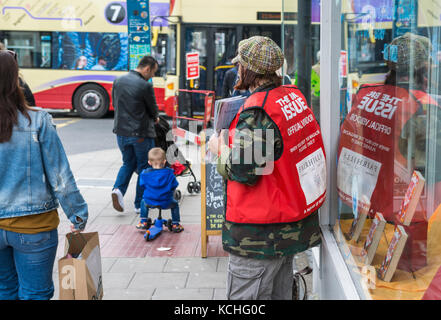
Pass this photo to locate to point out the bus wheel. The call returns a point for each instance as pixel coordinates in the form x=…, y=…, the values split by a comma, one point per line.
x=91, y=101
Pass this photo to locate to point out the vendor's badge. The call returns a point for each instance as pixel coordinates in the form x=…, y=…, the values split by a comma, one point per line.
x=312, y=175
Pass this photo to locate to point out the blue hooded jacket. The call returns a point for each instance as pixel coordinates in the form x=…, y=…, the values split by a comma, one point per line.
x=159, y=185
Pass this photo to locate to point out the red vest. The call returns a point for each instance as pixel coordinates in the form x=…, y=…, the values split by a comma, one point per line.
x=296, y=185
x=371, y=165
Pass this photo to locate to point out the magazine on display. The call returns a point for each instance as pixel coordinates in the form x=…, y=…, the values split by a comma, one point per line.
x=225, y=110
x=373, y=238
x=411, y=198
x=393, y=255
x=358, y=223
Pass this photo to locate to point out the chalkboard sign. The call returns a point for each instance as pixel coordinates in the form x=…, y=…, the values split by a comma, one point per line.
x=214, y=192
x=212, y=198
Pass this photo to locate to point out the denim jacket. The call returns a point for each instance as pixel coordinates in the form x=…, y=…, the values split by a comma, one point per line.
x=35, y=173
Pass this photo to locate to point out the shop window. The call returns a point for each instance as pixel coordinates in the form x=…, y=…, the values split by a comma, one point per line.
x=389, y=153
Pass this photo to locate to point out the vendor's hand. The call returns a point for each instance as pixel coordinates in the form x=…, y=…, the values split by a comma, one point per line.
x=214, y=144
x=73, y=230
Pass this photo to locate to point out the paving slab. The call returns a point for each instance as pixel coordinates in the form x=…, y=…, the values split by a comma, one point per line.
x=107, y=263
x=182, y=294
x=220, y=294
x=128, y=294
x=207, y=280
x=191, y=264
x=139, y=265
x=118, y=219
x=159, y=280
x=222, y=265
x=117, y=280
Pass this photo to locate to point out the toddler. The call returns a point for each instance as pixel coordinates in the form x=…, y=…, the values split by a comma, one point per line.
x=159, y=184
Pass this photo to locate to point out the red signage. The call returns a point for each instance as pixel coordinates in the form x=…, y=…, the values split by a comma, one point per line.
x=192, y=60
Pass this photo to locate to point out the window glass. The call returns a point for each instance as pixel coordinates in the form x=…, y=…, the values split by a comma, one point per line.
x=171, y=50
x=389, y=153
x=196, y=41
x=295, y=47
x=90, y=51
x=224, y=52
x=33, y=48
x=164, y=50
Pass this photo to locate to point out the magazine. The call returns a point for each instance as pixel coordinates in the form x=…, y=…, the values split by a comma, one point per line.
x=373, y=238
x=411, y=198
x=360, y=215
x=225, y=110
x=393, y=255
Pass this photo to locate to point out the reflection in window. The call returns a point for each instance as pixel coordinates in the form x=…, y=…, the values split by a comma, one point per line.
x=90, y=51
x=389, y=157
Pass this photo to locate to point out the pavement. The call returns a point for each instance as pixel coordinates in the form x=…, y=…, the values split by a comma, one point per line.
x=132, y=268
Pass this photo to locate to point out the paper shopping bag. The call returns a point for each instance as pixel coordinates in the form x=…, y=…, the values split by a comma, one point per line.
x=79, y=271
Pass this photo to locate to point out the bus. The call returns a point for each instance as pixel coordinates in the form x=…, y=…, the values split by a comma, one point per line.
x=214, y=29
x=70, y=52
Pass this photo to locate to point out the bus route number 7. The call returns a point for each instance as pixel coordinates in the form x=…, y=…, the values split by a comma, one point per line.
x=115, y=13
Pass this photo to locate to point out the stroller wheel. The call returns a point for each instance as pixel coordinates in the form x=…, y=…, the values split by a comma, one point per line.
x=197, y=187
x=190, y=187
x=177, y=195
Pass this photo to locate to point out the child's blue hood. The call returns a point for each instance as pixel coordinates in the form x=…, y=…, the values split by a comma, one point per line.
x=159, y=178
x=159, y=185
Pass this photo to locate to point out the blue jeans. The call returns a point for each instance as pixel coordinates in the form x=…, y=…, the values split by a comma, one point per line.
x=135, y=159
x=26, y=265
x=174, y=206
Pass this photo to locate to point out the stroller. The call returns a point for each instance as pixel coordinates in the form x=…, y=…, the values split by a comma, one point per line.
x=180, y=166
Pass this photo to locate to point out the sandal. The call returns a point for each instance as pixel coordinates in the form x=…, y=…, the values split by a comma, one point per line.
x=176, y=228
x=142, y=226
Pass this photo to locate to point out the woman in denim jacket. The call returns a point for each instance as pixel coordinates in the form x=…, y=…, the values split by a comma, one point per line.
x=34, y=176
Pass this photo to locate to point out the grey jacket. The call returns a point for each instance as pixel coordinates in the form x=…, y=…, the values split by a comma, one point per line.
x=135, y=106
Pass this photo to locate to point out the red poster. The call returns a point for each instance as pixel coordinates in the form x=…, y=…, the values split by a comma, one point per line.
x=192, y=62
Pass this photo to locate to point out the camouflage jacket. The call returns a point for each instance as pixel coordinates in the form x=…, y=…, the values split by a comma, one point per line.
x=264, y=241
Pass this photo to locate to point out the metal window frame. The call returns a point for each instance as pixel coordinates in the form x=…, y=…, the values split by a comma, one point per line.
x=335, y=279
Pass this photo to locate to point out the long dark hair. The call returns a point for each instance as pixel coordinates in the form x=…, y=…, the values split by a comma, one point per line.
x=12, y=99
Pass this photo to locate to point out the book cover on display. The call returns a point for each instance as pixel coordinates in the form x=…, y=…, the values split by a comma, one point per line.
x=411, y=198
x=390, y=262
x=360, y=215
x=225, y=110
x=373, y=238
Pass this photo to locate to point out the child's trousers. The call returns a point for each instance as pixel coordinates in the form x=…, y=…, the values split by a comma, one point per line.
x=174, y=206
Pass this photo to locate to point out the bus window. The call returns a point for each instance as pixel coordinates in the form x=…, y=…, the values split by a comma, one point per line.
x=224, y=52
x=171, y=51
x=33, y=48
x=196, y=41
x=164, y=51
x=90, y=51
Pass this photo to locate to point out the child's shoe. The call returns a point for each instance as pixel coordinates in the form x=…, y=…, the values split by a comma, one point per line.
x=177, y=228
x=142, y=225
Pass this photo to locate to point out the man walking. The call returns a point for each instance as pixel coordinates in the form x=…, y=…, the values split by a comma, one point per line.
x=135, y=115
